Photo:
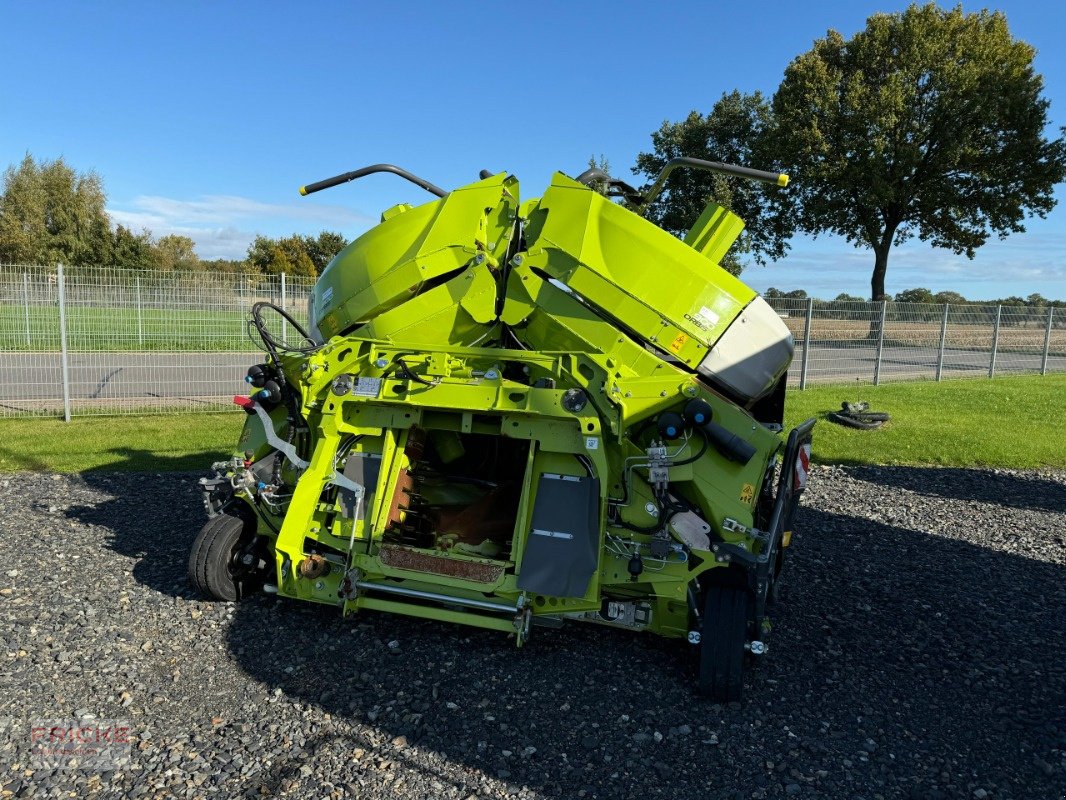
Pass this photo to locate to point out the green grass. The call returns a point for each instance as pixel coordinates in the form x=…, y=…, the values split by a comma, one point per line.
x=1008, y=422
x=142, y=444
x=123, y=329
x=1017, y=421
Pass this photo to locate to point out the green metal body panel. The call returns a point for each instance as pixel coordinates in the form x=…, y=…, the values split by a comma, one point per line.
x=473, y=319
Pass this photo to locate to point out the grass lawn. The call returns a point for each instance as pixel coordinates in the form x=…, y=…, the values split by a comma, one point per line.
x=142, y=444
x=1017, y=421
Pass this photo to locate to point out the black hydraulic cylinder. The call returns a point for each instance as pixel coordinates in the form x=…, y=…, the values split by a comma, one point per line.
x=729, y=444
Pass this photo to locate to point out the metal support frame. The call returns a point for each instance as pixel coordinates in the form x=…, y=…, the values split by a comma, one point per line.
x=806, y=342
x=284, y=307
x=140, y=317
x=995, y=343
x=1047, y=340
x=64, y=359
x=943, y=343
x=26, y=304
x=880, y=342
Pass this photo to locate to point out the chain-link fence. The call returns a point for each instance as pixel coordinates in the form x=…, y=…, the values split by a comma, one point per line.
x=80, y=341
x=847, y=341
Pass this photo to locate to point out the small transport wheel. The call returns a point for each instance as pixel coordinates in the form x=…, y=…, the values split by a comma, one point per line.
x=722, y=644
x=216, y=568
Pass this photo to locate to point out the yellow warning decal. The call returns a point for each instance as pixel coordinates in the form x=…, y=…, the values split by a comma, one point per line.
x=747, y=493
x=678, y=342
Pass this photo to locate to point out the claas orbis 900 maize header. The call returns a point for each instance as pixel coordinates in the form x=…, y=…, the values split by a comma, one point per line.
x=507, y=413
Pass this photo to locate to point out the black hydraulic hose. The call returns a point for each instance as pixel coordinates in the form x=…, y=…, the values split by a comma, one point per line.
x=699, y=455
x=337, y=180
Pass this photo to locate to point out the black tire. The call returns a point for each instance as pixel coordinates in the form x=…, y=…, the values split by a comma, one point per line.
x=722, y=643
x=211, y=561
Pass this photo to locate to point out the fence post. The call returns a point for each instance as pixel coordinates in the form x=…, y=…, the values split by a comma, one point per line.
x=284, y=324
x=26, y=303
x=995, y=343
x=880, y=343
x=943, y=342
x=1047, y=340
x=140, y=320
x=64, y=363
x=806, y=343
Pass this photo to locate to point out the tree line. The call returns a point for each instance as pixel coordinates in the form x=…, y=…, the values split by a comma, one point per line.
x=52, y=214
x=926, y=296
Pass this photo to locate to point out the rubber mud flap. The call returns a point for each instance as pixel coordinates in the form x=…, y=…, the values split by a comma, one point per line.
x=562, y=549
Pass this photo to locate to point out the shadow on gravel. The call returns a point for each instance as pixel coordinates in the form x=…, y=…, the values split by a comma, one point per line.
x=156, y=522
x=986, y=486
x=901, y=661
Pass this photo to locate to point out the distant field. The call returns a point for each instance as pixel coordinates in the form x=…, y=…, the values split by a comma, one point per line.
x=122, y=329
x=193, y=329
x=927, y=334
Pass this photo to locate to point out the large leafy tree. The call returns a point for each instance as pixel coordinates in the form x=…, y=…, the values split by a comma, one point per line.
x=927, y=123
x=295, y=255
x=50, y=213
x=322, y=248
x=175, y=252
x=733, y=132
x=131, y=250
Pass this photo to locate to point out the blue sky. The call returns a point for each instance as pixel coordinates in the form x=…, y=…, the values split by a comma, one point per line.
x=204, y=118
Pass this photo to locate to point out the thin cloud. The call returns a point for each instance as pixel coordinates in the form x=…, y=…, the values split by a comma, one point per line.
x=218, y=224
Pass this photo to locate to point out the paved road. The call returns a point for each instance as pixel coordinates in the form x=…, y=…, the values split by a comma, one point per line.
x=32, y=381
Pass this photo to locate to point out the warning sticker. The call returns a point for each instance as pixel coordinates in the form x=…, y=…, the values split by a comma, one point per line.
x=678, y=342
x=747, y=493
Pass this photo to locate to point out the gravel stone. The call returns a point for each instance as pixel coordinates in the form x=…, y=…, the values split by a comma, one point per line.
x=918, y=651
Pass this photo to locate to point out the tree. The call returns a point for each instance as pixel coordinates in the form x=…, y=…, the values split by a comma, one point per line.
x=949, y=297
x=844, y=297
x=295, y=255
x=1036, y=300
x=732, y=132
x=175, y=252
x=323, y=248
x=274, y=256
x=131, y=250
x=927, y=122
x=915, y=296
x=50, y=213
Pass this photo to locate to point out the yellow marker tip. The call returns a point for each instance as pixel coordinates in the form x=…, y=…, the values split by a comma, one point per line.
x=782, y=179
x=303, y=191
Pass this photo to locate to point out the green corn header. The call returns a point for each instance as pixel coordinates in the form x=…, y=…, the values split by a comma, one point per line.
x=508, y=413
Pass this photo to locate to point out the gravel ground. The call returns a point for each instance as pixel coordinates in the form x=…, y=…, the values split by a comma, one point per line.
x=919, y=652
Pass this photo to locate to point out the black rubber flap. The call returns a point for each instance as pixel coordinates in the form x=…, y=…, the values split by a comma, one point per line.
x=563, y=547
x=364, y=470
